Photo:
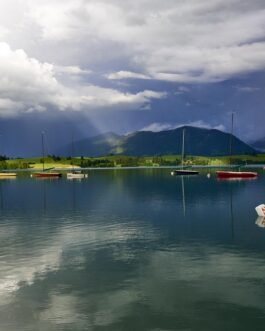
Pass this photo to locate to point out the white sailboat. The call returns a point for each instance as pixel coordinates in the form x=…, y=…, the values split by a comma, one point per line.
x=7, y=175
x=75, y=174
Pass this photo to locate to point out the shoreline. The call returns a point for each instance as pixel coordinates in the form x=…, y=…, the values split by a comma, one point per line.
x=254, y=166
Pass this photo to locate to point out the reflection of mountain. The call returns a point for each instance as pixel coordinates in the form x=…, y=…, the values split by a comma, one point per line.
x=199, y=141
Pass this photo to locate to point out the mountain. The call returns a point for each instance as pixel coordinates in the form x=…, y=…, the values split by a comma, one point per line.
x=198, y=141
x=94, y=146
x=259, y=144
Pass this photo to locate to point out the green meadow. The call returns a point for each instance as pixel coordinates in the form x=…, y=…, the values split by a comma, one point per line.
x=128, y=161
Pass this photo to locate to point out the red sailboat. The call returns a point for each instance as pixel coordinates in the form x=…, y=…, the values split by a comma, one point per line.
x=234, y=174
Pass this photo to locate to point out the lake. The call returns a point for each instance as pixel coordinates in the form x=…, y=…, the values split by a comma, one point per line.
x=132, y=250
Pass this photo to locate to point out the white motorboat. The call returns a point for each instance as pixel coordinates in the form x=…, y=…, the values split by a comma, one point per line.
x=260, y=209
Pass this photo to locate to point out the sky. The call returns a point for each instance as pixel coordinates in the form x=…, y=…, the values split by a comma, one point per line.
x=93, y=66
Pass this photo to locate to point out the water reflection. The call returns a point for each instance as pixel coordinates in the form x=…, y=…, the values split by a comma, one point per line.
x=115, y=253
x=183, y=196
x=260, y=221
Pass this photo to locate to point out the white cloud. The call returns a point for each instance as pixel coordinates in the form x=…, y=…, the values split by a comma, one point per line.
x=157, y=127
x=72, y=70
x=248, y=88
x=182, y=90
x=195, y=41
x=126, y=75
x=176, y=41
x=27, y=85
x=3, y=32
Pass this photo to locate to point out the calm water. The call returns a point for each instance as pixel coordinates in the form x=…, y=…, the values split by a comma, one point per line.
x=131, y=250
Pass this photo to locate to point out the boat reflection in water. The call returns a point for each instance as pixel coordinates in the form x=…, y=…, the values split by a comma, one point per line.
x=220, y=179
x=8, y=175
x=260, y=221
x=231, y=175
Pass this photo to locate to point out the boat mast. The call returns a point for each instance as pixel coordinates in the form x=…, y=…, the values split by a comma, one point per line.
x=42, y=147
x=72, y=151
x=183, y=146
x=231, y=139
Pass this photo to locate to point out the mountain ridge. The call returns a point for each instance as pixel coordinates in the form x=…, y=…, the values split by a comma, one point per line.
x=198, y=141
x=258, y=144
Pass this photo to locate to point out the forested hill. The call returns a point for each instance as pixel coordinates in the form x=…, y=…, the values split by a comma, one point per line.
x=198, y=141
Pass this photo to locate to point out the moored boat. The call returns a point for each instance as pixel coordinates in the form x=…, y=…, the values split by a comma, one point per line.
x=236, y=174
x=182, y=172
x=46, y=174
x=6, y=175
x=76, y=175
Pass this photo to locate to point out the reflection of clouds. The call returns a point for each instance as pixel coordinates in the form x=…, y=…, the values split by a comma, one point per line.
x=62, y=309
x=23, y=270
x=105, y=308
x=173, y=283
x=113, y=306
x=127, y=274
x=199, y=274
x=35, y=262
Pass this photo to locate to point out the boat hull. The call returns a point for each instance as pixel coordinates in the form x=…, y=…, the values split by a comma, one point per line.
x=8, y=174
x=76, y=176
x=184, y=172
x=236, y=174
x=46, y=175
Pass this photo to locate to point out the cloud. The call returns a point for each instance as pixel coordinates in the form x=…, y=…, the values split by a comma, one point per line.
x=182, y=90
x=191, y=42
x=3, y=32
x=157, y=127
x=72, y=70
x=126, y=75
x=26, y=84
x=248, y=88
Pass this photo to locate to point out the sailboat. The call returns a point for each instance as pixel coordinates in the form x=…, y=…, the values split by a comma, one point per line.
x=45, y=172
x=75, y=174
x=7, y=175
x=182, y=171
x=234, y=174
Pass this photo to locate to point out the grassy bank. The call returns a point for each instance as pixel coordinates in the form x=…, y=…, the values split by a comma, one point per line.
x=128, y=161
